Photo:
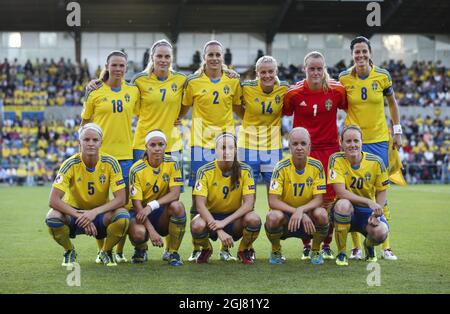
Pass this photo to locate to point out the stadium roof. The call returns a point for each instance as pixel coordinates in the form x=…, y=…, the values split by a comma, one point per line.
x=259, y=16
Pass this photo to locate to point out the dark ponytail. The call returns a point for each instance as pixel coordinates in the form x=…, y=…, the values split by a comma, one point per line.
x=236, y=167
x=104, y=75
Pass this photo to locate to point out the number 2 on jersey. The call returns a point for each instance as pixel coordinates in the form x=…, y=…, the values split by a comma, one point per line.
x=216, y=98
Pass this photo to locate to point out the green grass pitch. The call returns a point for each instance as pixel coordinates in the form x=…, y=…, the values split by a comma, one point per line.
x=30, y=259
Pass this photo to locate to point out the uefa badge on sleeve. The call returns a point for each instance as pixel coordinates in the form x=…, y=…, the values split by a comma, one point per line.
x=133, y=191
x=333, y=175
x=198, y=186
x=273, y=185
x=59, y=178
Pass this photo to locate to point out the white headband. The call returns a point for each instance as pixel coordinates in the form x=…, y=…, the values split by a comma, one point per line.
x=153, y=134
x=90, y=126
x=225, y=135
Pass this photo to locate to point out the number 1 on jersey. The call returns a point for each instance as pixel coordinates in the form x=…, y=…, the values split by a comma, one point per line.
x=315, y=110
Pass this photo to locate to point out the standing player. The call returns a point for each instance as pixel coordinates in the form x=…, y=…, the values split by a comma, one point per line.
x=79, y=198
x=259, y=138
x=367, y=85
x=156, y=183
x=360, y=180
x=213, y=96
x=295, y=199
x=111, y=106
x=225, y=196
x=314, y=103
x=161, y=91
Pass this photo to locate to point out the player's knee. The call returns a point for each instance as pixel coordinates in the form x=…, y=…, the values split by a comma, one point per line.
x=54, y=222
x=320, y=216
x=343, y=207
x=120, y=214
x=274, y=218
x=198, y=225
x=137, y=235
x=176, y=208
x=252, y=219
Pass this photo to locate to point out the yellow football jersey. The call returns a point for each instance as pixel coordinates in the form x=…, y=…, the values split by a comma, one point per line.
x=212, y=184
x=212, y=103
x=297, y=187
x=261, y=126
x=366, y=102
x=148, y=184
x=89, y=188
x=159, y=108
x=112, y=110
x=371, y=175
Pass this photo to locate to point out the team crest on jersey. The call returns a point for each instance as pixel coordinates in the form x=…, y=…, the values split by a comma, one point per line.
x=374, y=86
x=273, y=185
x=226, y=90
x=102, y=179
x=165, y=177
x=329, y=104
x=367, y=176
x=309, y=182
x=59, y=178
x=174, y=87
x=127, y=97
x=277, y=99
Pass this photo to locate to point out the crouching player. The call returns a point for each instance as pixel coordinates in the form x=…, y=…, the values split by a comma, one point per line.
x=295, y=199
x=155, y=185
x=79, y=198
x=360, y=180
x=224, y=196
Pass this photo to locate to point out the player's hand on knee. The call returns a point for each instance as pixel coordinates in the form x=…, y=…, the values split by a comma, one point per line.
x=308, y=224
x=141, y=216
x=295, y=221
x=219, y=224
x=85, y=218
x=91, y=230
